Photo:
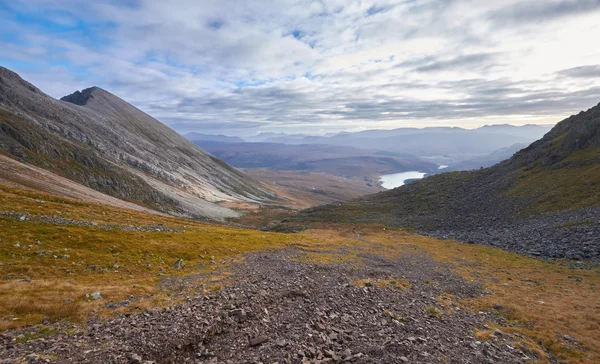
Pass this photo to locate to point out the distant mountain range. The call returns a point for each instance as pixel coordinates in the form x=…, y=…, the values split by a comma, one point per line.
x=212, y=138
x=100, y=141
x=447, y=145
x=427, y=141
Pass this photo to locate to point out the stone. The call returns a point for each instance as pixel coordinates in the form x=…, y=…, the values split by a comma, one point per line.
x=347, y=354
x=134, y=358
x=258, y=340
x=239, y=314
x=179, y=264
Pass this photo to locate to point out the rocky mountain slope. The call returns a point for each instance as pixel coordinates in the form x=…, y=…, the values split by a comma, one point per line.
x=545, y=200
x=102, y=142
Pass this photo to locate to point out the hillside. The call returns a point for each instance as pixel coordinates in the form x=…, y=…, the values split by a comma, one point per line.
x=343, y=161
x=98, y=140
x=545, y=200
x=313, y=188
x=90, y=283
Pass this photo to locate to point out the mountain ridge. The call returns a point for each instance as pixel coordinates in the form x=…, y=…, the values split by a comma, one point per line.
x=111, y=146
x=80, y=97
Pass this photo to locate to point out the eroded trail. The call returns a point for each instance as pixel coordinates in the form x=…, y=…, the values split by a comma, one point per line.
x=283, y=308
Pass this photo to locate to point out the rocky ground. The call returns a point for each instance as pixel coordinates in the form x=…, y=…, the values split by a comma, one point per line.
x=281, y=309
x=572, y=235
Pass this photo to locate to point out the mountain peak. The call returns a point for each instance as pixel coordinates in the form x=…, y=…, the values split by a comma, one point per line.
x=5, y=72
x=12, y=79
x=80, y=97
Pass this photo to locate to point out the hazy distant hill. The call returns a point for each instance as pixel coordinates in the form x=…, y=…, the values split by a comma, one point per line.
x=336, y=160
x=99, y=140
x=428, y=141
x=486, y=160
x=212, y=138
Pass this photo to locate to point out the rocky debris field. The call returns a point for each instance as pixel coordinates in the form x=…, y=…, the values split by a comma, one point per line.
x=282, y=309
x=571, y=234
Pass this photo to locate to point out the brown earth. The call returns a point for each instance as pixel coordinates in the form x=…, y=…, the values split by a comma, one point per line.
x=307, y=189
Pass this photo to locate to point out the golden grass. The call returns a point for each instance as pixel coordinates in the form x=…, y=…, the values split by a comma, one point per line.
x=433, y=311
x=65, y=262
x=391, y=282
x=544, y=301
x=516, y=284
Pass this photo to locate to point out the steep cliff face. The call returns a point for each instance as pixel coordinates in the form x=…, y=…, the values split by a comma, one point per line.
x=101, y=141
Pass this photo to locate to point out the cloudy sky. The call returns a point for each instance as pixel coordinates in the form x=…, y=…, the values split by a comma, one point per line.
x=243, y=67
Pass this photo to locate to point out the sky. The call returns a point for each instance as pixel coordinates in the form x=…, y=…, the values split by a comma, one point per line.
x=245, y=67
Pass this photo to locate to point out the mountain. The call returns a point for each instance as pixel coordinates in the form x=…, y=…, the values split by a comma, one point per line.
x=100, y=141
x=269, y=137
x=455, y=142
x=533, y=131
x=545, y=200
x=194, y=137
x=487, y=160
x=341, y=161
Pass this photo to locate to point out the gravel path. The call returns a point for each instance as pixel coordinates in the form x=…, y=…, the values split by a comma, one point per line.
x=281, y=310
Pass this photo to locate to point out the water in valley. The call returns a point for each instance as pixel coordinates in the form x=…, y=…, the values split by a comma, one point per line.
x=390, y=181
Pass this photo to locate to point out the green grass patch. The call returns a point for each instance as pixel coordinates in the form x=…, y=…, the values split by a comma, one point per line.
x=575, y=184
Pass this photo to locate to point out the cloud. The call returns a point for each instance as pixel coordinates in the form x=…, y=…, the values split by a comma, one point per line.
x=244, y=67
x=592, y=71
x=465, y=62
x=534, y=12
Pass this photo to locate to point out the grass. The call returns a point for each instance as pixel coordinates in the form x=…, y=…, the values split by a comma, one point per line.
x=42, y=264
x=576, y=184
x=427, y=195
x=542, y=300
x=391, y=282
x=433, y=312
x=37, y=286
